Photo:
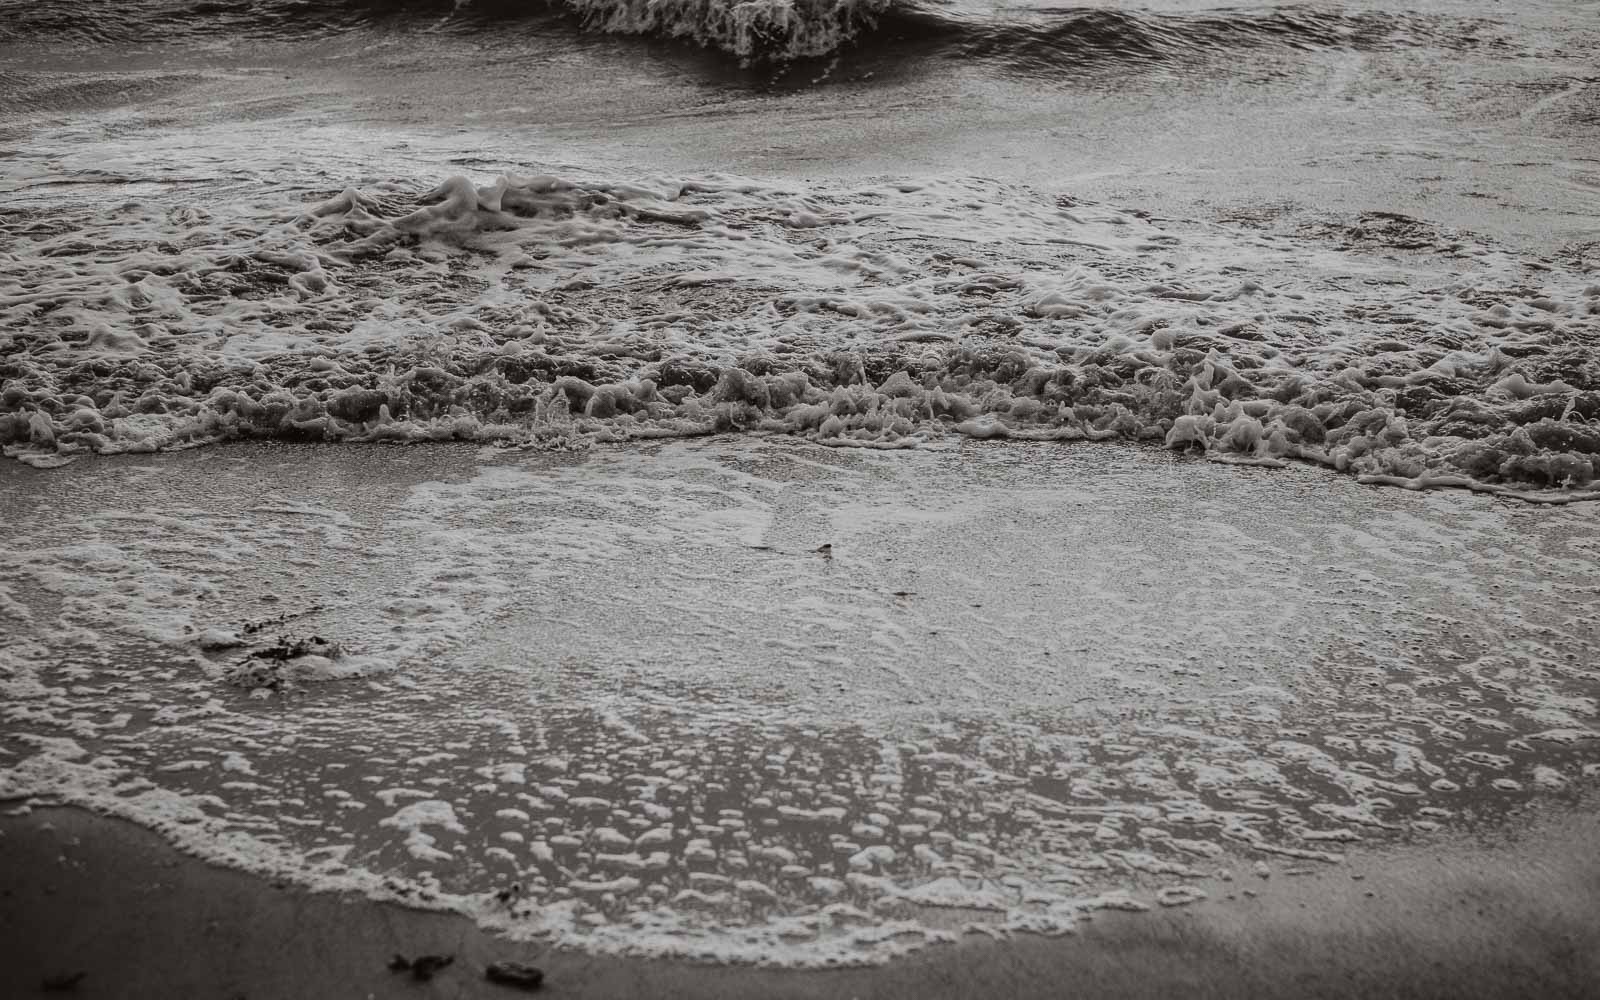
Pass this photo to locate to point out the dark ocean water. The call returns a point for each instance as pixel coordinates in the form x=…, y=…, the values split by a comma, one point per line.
x=1267, y=233
x=1036, y=38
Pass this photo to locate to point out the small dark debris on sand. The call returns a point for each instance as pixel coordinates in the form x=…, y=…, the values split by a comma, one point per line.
x=286, y=649
x=422, y=967
x=271, y=666
x=64, y=983
x=515, y=974
x=251, y=628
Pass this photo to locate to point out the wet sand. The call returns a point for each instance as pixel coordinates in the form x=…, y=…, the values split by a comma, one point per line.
x=1515, y=912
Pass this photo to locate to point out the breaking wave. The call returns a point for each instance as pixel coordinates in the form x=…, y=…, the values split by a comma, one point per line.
x=770, y=30
x=1036, y=39
x=544, y=312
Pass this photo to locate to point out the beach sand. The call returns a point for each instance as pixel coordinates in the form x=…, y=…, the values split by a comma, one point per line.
x=1508, y=912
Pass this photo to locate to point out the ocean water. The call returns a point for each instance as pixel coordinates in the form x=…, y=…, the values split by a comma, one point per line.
x=1094, y=343
x=198, y=253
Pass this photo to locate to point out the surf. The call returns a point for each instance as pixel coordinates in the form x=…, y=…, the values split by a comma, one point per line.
x=766, y=32
x=540, y=311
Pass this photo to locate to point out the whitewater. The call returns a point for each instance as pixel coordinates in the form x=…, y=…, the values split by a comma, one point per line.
x=866, y=474
x=540, y=310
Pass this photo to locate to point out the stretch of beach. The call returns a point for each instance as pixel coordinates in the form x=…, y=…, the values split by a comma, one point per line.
x=1513, y=912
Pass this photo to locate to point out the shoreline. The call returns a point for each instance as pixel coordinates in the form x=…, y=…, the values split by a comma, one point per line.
x=1318, y=637
x=1513, y=910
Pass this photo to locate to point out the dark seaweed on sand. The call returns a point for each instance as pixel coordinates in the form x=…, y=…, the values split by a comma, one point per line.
x=422, y=967
x=286, y=649
x=269, y=667
x=251, y=628
x=515, y=974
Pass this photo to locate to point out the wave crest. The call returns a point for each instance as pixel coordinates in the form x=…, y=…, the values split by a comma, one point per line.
x=767, y=29
x=1048, y=40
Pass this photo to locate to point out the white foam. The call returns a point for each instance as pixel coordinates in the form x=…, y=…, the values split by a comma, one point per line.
x=791, y=761
x=548, y=312
x=770, y=29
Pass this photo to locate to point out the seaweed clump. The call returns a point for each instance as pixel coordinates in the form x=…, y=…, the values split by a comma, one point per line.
x=279, y=666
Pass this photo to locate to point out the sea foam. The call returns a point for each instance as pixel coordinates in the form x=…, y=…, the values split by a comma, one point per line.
x=1025, y=684
x=543, y=311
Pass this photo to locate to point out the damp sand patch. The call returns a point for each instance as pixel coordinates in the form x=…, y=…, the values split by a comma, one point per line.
x=1510, y=915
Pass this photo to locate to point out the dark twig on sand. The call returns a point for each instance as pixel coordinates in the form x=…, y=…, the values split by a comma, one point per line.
x=514, y=974
x=422, y=967
x=251, y=628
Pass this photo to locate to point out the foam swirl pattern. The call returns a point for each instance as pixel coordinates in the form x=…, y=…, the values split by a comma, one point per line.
x=1028, y=682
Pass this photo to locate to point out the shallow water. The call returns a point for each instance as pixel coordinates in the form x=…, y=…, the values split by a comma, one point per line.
x=1463, y=113
x=730, y=308
x=235, y=227
x=625, y=688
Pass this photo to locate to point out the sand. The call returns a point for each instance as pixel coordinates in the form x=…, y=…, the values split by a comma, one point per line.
x=1512, y=912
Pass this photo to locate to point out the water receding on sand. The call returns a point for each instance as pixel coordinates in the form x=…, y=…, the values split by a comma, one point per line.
x=1022, y=682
